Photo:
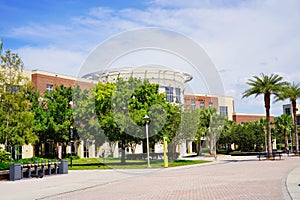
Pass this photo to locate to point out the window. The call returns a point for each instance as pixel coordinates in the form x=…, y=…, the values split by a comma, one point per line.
x=193, y=105
x=86, y=151
x=169, y=92
x=287, y=111
x=224, y=110
x=49, y=88
x=202, y=104
x=210, y=104
x=177, y=93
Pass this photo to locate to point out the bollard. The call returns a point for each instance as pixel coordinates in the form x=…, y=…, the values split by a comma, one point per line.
x=49, y=167
x=22, y=170
x=29, y=170
x=36, y=169
x=43, y=168
x=166, y=163
x=55, y=167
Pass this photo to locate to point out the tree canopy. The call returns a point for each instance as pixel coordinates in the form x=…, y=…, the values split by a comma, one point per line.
x=17, y=120
x=121, y=108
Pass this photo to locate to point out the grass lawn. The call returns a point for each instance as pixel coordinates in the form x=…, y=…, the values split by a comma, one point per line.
x=113, y=163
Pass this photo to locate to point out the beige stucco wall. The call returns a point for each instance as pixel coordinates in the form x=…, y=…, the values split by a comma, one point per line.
x=227, y=101
x=27, y=151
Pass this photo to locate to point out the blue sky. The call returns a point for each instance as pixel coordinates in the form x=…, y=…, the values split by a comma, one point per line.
x=242, y=38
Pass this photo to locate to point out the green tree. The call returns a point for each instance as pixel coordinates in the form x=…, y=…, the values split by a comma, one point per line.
x=17, y=120
x=283, y=124
x=210, y=125
x=85, y=119
x=262, y=131
x=267, y=86
x=121, y=108
x=292, y=92
x=54, y=116
x=215, y=128
x=189, y=126
x=227, y=136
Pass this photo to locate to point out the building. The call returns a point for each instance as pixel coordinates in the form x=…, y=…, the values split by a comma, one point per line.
x=170, y=82
x=240, y=118
x=223, y=104
x=44, y=81
x=288, y=109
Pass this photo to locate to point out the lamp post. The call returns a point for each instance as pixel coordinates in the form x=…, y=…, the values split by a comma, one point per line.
x=147, y=138
x=291, y=140
x=71, y=138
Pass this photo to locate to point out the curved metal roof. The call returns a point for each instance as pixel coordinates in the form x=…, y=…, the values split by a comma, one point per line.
x=144, y=68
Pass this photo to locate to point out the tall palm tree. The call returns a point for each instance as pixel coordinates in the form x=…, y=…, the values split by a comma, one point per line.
x=283, y=124
x=265, y=85
x=292, y=92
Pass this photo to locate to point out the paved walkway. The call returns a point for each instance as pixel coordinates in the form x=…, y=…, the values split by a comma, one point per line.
x=226, y=178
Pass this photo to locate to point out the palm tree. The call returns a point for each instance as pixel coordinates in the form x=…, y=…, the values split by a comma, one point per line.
x=283, y=124
x=204, y=127
x=265, y=85
x=292, y=92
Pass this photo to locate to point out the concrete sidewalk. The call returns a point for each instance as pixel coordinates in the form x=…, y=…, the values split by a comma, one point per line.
x=226, y=178
x=293, y=183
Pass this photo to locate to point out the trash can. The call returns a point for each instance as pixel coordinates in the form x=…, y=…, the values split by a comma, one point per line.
x=63, y=167
x=15, y=172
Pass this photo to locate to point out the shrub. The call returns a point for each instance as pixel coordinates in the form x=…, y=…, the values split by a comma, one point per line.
x=32, y=160
x=4, y=156
x=4, y=165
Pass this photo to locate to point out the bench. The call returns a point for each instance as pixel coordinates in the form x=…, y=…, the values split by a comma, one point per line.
x=39, y=170
x=273, y=155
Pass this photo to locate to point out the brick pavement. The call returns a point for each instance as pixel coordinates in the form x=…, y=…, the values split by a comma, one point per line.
x=235, y=179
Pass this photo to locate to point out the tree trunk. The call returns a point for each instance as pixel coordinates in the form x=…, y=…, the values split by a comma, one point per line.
x=286, y=140
x=123, y=146
x=267, y=106
x=212, y=144
x=199, y=147
x=295, y=126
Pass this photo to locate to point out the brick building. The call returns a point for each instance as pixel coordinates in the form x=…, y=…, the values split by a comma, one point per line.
x=240, y=118
x=224, y=105
x=45, y=81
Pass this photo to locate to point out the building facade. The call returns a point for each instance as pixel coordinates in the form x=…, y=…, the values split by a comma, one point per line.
x=170, y=82
x=240, y=118
x=288, y=109
x=223, y=104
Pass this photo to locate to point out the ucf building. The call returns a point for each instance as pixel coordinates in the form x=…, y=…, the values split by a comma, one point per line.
x=170, y=82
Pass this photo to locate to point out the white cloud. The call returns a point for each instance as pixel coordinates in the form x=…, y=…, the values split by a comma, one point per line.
x=51, y=59
x=243, y=39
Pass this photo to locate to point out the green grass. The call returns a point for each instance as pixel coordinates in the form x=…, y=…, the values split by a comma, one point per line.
x=112, y=163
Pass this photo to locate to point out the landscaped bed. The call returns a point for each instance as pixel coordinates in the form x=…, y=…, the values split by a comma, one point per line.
x=113, y=163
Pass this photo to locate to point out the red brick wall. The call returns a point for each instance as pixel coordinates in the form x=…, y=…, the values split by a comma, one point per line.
x=206, y=99
x=40, y=82
x=247, y=118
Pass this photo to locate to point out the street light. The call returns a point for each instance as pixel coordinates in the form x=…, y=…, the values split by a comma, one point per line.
x=291, y=140
x=71, y=136
x=147, y=138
